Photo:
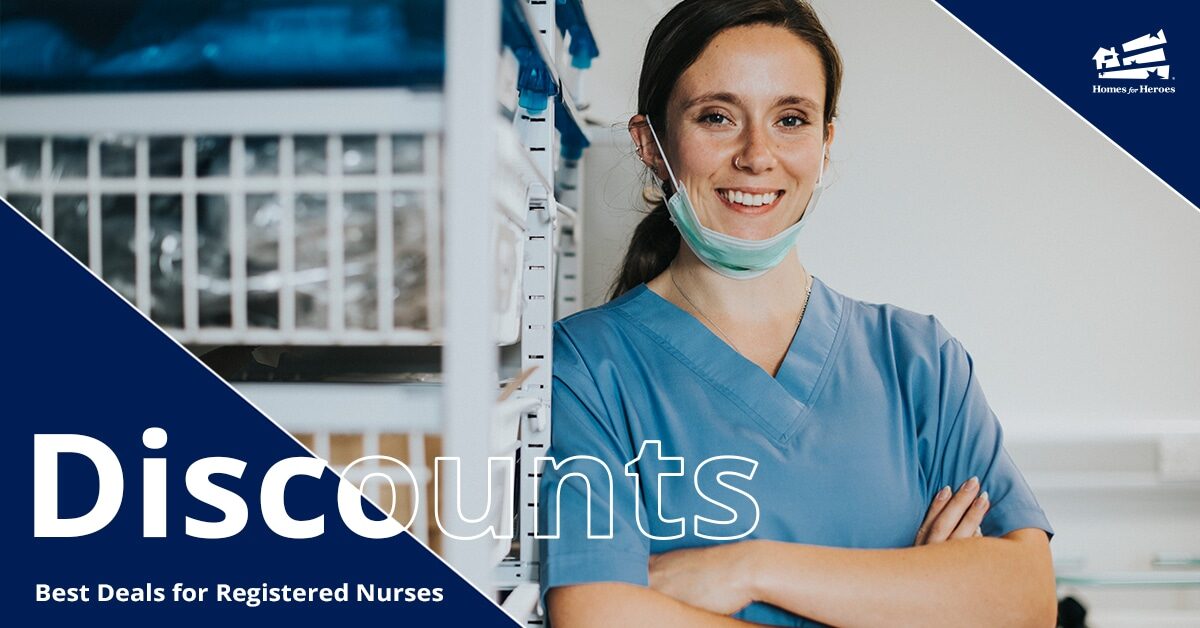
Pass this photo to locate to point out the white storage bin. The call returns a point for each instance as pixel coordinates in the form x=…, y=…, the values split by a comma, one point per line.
x=299, y=217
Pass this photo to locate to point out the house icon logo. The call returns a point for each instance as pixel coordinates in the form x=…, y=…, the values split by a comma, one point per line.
x=1144, y=58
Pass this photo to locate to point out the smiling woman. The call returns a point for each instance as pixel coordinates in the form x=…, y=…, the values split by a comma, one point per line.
x=761, y=135
x=882, y=492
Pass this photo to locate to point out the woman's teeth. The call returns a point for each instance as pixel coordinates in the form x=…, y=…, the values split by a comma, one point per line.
x=750, y=200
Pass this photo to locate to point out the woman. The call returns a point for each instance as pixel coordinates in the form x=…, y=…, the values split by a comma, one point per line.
x=865, y=481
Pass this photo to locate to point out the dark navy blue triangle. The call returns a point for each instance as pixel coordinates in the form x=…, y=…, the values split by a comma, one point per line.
x=1056, y=42
x=77, y=359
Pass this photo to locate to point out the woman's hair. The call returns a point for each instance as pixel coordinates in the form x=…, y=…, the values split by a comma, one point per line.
x=675, y=44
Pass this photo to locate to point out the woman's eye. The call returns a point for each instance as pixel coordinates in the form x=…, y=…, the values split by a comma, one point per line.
x=713, y=118
x=792, y=121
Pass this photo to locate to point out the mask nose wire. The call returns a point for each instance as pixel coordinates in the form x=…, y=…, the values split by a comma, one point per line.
x=671, y=174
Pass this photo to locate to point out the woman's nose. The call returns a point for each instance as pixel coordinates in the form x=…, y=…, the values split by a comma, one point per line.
x=755, y=155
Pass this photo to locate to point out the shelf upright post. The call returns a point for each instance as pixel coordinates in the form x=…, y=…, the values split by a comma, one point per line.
x=568, y=291
x=469, y=354
x=537, y=316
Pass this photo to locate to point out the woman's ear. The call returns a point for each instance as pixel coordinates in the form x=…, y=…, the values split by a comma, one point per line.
x=830, y=129
x=644, y=145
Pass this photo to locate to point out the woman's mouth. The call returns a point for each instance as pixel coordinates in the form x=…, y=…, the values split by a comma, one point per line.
x=749, y=201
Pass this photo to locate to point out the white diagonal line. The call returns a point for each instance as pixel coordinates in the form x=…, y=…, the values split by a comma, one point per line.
x=1063, y=103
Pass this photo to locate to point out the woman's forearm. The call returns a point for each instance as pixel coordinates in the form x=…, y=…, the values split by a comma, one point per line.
x=978, y=582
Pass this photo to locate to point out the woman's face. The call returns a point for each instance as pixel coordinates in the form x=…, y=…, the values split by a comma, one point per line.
x=745, y=129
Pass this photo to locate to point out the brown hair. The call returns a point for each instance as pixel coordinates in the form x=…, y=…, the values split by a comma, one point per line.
x=677, y=41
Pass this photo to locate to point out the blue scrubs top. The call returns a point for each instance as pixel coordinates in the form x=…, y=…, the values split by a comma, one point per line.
x=873, y=410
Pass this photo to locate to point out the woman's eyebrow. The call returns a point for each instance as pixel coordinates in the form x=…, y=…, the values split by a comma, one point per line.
x=733, y=99
x=800, y=101
x=726, y=97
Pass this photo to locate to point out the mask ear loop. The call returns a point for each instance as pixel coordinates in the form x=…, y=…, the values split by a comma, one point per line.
x=821, y=170
x=657, y=145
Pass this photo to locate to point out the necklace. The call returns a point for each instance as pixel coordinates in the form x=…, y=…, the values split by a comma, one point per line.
x=803, y=308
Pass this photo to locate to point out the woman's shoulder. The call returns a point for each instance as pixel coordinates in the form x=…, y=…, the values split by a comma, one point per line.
x=597, y=331
x=915, y=344
x=591, y=324
x=894, y=323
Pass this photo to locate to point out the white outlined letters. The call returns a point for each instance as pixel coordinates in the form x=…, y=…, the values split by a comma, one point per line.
x=597, y=490
x=654, y=501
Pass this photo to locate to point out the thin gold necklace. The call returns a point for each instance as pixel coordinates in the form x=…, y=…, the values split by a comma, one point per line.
x=803, y=308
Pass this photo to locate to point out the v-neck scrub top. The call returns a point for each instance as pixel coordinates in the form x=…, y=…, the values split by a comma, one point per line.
x=873, y=410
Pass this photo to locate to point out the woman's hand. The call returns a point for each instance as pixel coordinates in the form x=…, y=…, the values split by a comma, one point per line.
x=714, y=578
x=956, y=517
x=718, y=578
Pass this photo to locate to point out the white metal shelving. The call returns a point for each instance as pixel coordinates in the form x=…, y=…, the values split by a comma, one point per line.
x=496, y=217
x=202, y=301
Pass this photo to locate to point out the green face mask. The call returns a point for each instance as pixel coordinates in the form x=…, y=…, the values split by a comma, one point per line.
x=736, y=258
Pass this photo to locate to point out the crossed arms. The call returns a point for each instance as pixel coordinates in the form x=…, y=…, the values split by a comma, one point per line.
x=950, y=577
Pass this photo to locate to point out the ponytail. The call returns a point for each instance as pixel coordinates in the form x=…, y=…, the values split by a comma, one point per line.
x=654, y=244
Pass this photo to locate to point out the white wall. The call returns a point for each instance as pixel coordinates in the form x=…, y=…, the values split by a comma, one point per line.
x=961, y=188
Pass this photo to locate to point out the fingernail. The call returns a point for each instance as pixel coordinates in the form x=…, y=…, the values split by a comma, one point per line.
x=972, y=483
x=982, y=500
x=944, y=493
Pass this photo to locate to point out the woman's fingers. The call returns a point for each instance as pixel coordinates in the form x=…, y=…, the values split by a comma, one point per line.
x=939, y=503
x=972, y=518
x=956, y=516
x=947, y=521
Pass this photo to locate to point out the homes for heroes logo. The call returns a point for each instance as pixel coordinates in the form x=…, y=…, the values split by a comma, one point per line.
x=1140, y=59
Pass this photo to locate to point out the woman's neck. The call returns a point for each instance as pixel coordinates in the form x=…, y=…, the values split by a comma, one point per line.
x=777, y=294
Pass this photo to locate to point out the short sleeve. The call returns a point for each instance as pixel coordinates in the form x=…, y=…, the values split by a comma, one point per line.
x=587, y=441
x=971, y=443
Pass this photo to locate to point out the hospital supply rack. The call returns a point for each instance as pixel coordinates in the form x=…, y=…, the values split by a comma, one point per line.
x=525, y=168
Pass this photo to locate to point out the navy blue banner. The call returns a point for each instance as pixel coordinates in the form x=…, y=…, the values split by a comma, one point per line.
x=79, y=360
x=1132, y=69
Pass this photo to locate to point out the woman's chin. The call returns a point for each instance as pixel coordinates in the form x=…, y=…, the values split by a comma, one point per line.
x=750, y=227
x=753, y=232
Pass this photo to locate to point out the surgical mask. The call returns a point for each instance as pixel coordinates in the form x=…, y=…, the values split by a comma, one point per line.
x=736, y=258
